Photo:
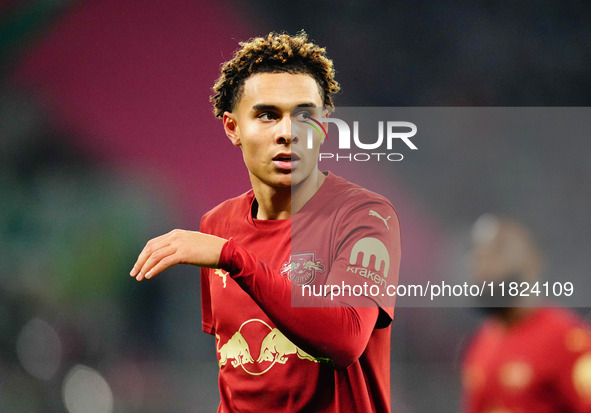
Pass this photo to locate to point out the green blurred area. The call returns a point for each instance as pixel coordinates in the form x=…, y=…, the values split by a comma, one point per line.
x=70, y=230
x=23, y=22
x=73, y=234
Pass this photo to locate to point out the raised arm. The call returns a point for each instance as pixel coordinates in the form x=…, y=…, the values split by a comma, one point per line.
x=334, y=328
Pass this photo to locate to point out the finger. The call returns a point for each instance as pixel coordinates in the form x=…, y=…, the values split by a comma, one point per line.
x=151, y=246
x=162, y=265
x=156, y=257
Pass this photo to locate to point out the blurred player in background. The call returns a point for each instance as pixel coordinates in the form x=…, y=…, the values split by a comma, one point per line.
x=275, y=357
x=523, y=359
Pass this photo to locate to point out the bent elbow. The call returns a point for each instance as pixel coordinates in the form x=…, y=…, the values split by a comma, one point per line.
x=345, y=357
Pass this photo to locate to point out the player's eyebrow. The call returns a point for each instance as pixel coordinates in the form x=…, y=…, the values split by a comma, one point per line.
x=262, y=107
x=307, y=105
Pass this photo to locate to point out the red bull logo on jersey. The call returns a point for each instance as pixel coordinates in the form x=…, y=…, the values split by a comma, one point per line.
x=275, y=348
x=364, y=252
x=301, y=268
x=236, y=350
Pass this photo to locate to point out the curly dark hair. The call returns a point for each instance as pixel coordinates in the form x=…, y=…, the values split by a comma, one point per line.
x=278, y=52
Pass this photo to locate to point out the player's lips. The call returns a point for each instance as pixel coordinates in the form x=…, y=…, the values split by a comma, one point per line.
x=286, y=160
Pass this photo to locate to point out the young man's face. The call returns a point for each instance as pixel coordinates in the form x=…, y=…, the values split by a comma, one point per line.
x=275, y=150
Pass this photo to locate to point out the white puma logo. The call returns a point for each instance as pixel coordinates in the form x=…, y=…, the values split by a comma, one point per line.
x=222, y=274
x=375, y=214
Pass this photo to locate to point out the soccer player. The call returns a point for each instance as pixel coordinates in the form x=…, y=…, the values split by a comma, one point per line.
x=523, y=359
x=280, y=350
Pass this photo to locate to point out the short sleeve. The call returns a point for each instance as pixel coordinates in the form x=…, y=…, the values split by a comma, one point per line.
x=367, y=254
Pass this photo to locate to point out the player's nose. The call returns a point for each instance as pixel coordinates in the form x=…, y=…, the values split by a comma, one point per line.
x=285, y=133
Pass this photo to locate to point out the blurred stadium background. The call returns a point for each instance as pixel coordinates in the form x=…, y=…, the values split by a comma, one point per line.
x=107, y=138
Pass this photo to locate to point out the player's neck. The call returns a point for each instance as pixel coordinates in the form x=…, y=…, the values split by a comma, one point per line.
x=302, y=192
x=272, y=203
x=282, y=203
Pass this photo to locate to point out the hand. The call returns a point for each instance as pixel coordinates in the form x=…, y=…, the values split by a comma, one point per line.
x=177, y=247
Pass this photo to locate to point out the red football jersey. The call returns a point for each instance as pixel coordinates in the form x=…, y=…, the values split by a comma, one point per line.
x=262, y=370
x=542, y=364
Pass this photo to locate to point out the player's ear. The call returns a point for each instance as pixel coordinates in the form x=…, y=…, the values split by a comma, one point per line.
x=231, y=128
